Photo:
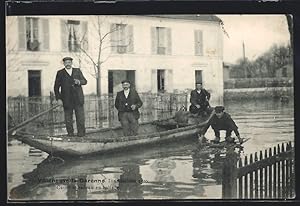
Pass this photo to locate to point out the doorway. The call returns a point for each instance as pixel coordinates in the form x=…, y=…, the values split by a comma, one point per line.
x=34, y=83
x=115, y=77
x=198, y=76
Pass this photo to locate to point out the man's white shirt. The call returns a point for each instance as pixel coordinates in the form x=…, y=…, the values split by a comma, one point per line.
x=126, y=93
x=69, y=71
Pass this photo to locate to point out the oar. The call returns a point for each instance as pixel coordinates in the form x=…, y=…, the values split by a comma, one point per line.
x=12, y=131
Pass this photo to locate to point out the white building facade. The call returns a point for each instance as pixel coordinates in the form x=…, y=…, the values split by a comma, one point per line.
x=161, y=53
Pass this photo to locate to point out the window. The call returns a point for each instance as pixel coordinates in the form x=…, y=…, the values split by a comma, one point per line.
x=121, y=38
x=161, y=40
x=161, y=80
x=198, y=76
x=74, y=35
x=33, y=34
x=198, y=34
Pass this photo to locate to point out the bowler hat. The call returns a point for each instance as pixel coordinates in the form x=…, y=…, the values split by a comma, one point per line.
x=125, y=81
x=219, y=109
x=67, y=58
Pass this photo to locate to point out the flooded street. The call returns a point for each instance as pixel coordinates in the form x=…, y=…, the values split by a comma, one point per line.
x=180, y=170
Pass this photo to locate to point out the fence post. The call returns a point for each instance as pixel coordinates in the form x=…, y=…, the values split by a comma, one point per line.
x=51, y=113
x=229, y=177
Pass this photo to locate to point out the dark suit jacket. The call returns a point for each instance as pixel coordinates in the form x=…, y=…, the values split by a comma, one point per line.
x=223, y=123
x=66, y=90
x=201, y=99
x=123, y=104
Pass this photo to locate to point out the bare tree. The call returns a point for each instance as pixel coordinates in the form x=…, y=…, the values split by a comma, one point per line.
x=103, y=44
x=97, y=54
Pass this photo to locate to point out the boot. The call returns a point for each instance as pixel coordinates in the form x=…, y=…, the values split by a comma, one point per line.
x=216, y=140
x=229, y=139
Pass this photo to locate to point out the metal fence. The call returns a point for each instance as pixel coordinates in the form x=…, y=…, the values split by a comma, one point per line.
x=99, y=111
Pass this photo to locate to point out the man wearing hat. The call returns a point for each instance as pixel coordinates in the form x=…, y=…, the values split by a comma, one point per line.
x=127, y=103
x=199, y=100
x=68, y=92
x=222, y=121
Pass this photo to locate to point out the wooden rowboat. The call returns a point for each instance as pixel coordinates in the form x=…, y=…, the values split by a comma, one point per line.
x=107, y=140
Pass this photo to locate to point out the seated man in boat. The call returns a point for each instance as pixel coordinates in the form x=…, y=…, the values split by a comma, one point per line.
x=127, y=103
x=199, y=101
x=222, y=121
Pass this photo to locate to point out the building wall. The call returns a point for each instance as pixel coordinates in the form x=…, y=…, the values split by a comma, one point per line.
x=180, y=65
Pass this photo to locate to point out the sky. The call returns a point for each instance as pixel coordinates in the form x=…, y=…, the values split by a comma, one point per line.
x=259, y=33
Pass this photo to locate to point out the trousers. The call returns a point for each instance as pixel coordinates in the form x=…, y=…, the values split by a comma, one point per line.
x=129, y=123
x=217, y=131
x=80, y=120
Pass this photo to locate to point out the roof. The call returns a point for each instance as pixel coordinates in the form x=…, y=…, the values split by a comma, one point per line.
x=194, y=17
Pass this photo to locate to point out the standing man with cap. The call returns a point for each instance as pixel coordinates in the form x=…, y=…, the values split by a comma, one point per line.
x=222, y=121
x=199, y=100
x=68, y=92
x=127, y=103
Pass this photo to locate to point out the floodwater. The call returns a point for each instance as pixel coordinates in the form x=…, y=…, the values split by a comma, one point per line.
x=181, y=170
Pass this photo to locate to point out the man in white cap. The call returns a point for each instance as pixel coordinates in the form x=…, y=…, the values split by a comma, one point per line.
x=68, y=92
x=127, y=103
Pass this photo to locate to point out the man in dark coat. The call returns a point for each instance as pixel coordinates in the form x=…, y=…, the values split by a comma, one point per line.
x=222, y=121
x=199, y=100
x=67, y=88
x=127, y=103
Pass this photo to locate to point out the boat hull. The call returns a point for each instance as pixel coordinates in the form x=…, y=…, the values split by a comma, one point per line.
x=65, y=148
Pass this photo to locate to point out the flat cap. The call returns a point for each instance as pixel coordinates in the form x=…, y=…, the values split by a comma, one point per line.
x=125, y=81
x=67, y=58
x=219, y=109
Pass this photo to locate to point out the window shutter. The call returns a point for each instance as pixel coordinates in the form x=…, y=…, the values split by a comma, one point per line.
x=84, y=37
x=153, y=40
x=22, y=33
x=113, y=38
x=130, y=38
x=196, y=39
x=169, y=82
x=44, y=34
x=154, y=80
x=200, y=42
x=169, y=41
x=64, y=36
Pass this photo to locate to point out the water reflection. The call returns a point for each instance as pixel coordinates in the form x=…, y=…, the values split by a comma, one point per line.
x=130, y=183
x=180, y=170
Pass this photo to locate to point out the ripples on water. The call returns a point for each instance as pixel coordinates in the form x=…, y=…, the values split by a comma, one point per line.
x=179, y=170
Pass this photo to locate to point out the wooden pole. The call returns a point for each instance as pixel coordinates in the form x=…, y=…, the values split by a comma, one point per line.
x=229, y=180
x=270, y=176
x=261, y=186
x=256, y=178
x=266, y=177
x=246, y=180
x=279, y=174
x=275, y=195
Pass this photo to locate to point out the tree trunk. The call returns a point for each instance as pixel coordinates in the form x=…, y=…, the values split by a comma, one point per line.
x=100, y=116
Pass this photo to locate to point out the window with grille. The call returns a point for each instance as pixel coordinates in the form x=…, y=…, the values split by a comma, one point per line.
x=161, y=80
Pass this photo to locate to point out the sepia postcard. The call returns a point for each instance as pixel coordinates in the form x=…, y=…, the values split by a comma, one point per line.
x=150, y=107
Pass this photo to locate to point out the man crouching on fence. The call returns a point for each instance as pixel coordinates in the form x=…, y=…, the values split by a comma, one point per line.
x=127, y=103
